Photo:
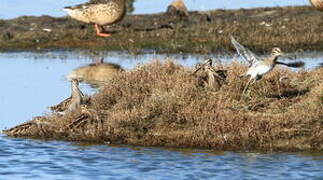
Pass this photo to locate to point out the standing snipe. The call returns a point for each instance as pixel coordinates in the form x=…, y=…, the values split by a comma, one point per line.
x=98, y=12
x=215, y=78
x=259, y=67
x=73, y=102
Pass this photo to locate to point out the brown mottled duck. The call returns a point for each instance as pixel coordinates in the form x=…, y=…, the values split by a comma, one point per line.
x=98, y=12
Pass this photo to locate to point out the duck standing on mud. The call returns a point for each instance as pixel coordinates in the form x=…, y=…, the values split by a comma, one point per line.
x=259, y=67
x=98, y=12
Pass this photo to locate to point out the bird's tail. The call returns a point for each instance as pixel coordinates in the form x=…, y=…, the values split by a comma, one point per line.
x=297, y=64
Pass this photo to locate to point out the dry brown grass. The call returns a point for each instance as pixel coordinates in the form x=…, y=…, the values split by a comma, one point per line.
x=159, y=104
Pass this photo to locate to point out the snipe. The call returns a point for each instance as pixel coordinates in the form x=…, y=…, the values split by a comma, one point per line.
x=258, y=67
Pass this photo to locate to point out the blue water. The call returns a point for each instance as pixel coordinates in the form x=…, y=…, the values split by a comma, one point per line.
x=15, y=8
x=33, y=159
x=30, y=82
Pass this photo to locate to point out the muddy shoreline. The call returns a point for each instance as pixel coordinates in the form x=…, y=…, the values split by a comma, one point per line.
x=291, y=28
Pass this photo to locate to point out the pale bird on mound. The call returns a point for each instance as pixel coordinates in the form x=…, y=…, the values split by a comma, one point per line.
x=259, y=67
x=98, y=12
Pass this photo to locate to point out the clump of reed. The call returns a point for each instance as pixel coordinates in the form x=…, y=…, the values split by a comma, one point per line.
x=161, y=104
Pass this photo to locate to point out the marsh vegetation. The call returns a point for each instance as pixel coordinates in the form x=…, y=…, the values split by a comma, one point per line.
x=161, y=104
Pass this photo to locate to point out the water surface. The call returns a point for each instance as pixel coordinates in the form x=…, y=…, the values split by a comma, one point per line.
x=32, y=81
x=15, y=8
x=33, y=159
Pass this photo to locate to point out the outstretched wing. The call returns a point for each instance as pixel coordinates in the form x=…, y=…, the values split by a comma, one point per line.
x=244, y=52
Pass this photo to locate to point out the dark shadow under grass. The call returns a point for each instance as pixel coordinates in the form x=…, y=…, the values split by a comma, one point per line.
x=160, y=104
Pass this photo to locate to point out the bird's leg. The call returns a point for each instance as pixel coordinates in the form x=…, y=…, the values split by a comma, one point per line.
x=253, y=82
x=247, y=86
x=99, y=33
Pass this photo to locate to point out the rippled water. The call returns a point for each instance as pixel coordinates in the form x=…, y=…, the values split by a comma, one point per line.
x=14, y=8
x=32, y=159
x=32, y=81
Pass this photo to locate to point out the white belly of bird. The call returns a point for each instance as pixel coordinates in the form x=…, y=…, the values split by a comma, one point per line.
x=258, y=70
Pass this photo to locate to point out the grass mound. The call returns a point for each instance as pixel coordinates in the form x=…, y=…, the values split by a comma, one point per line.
x=161, y=104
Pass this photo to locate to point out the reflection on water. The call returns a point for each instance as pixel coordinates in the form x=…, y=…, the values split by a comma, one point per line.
x=24, y=158
x=15, y=8
x=31, y=82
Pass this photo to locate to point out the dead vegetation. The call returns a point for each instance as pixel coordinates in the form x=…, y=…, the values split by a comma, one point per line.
x=291, y=28
x=161, y=104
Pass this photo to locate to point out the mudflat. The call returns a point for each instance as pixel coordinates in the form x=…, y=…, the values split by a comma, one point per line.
x=291, y=28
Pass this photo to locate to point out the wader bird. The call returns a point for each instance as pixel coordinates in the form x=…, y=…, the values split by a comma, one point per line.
x=259, y=67
x=73, y=102
x=215, y=78
x=98, y=12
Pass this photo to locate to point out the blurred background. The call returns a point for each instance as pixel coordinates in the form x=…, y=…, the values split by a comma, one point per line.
x=14, y=8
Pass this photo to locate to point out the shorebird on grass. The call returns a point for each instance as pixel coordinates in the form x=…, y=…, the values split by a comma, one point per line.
x=98, y=12
x=258, y=67
x=73, y=102
x=215, y=78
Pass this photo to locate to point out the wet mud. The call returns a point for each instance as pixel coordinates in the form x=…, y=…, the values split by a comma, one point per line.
x=291, y=28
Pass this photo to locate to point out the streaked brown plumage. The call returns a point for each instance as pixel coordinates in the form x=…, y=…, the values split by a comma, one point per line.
x=214, y=78
x=98, y=12
x=73, y=102
x=29, y=127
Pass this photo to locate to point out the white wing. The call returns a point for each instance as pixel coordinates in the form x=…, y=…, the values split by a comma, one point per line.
x=244, y=52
